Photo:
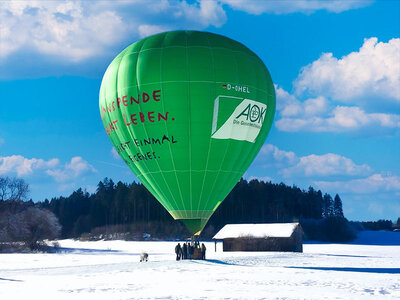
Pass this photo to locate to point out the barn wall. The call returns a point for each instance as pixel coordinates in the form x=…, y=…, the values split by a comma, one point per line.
x=291, y=244
x=261, y=244
x=294, y=243
x=297, y=237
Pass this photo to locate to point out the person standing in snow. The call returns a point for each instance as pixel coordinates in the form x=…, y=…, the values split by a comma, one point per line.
x=178, y=251
x=187, y=250
x=184, y=251
x=191, y=251
x=203, y=251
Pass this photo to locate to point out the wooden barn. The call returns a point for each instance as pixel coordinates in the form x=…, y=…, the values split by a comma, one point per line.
x=261, y=237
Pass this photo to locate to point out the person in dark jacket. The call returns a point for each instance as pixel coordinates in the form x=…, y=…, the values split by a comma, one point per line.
x=203, y=251
x=178, y=251
x=184, y=251
x=187, y=250
x=191, y=251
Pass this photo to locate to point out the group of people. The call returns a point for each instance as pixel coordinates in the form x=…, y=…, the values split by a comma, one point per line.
x=191, y=250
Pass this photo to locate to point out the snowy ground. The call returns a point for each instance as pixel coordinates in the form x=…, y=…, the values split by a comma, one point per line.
x=111, y=270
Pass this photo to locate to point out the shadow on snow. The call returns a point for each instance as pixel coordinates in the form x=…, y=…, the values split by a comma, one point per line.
x=97, y=251
x=349, y=269
x=7, y=279
x=212, y=261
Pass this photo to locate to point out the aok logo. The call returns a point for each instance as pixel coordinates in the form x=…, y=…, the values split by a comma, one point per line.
x=253, y=113
x=237, y=118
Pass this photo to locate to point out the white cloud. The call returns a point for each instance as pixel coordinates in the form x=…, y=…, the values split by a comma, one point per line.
x=367, y=81
x=207, y=12
x=271, y=155
x=342, y=119
x=78, y=30
x=72, y=170
x=258, y=7
x=373, y=71
x=147, y=30
x=91, y=189
x=66, y=29
x=315, y=106
x=290, y=165
x=115, y=154
x=326, y=165
x=197, y=15
x=320, y=115
x=21, y=166
x=372, y=184
x=288, y=105
x=48, y=37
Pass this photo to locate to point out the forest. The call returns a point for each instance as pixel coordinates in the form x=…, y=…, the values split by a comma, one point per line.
x=122, y=210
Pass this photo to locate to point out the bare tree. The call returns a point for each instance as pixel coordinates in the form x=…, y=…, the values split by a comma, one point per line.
x=42, y=224
x=14, y=227
x=13, y=189
x=30, y=226
x=4, y=182
x=4, y=232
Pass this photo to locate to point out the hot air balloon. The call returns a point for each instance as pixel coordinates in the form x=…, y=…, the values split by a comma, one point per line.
x=188, y=112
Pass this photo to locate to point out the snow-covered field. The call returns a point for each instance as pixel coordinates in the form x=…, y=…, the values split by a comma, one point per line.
x=111, y=270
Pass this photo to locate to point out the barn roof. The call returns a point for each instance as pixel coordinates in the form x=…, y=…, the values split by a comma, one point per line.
x=256, y=230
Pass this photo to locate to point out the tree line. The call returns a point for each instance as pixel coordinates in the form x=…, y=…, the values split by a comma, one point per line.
x=131, y=207
x=129, y=210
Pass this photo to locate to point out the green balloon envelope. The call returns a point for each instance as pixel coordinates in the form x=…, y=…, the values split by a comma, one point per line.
x=188, y=112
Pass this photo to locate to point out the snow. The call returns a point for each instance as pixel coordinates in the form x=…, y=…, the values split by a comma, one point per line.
x=111, y=270
x=256, y=230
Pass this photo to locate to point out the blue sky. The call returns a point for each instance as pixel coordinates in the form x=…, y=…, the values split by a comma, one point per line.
x=335, y=64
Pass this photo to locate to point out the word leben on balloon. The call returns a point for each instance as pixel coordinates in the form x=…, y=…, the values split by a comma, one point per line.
x=127, y=100
x=137, y=118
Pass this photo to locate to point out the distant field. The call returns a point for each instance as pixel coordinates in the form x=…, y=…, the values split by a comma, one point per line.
x=111, y=270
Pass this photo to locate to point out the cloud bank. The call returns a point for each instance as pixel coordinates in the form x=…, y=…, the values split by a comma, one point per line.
x=323, y=115
x=373, y=71
x=373, y=184
x=65, y=32
x=357, y=184
x=71, y=170
x=17, y=165
x=289, y=165
x=21, y=166
x=65, y=29
x=359, y=93
x=78, y=30
x=258, y=7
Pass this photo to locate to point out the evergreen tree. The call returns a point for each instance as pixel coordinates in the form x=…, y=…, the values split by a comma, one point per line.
x=337, y=207
x=327, y=204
